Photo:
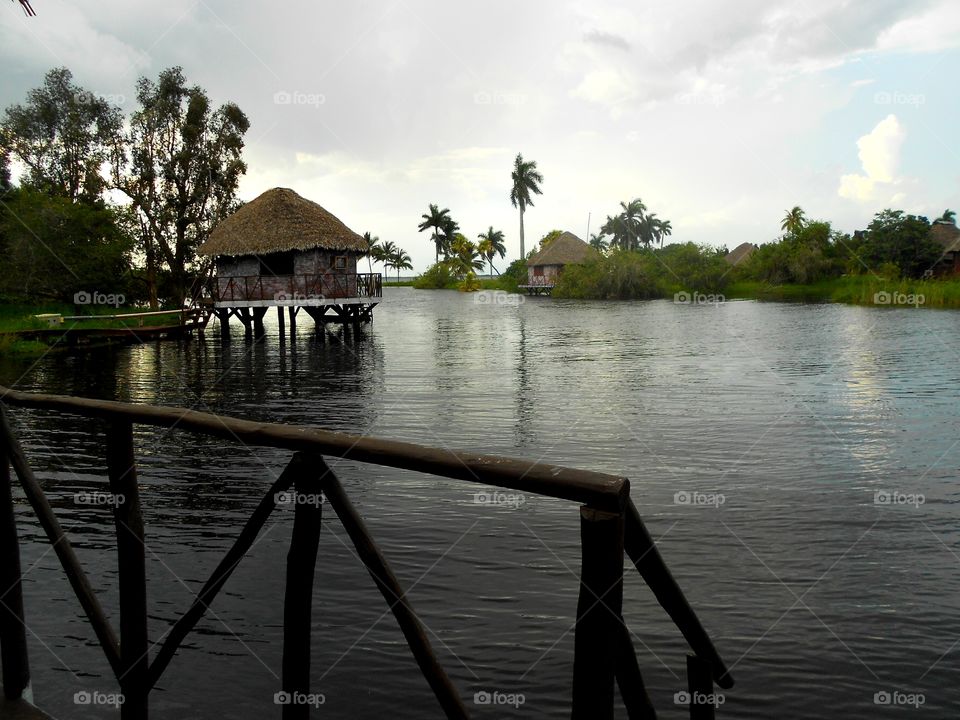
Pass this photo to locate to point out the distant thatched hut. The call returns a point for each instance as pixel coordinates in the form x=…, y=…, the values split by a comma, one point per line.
x=740, y=253
x=544, y=268
x=284, y=250
x=947, y=236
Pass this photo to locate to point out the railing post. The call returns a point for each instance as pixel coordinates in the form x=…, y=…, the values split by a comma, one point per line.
x=13, y=636
x=700, y=689
x=122, y=471
x=298, y=597
x=599, y=622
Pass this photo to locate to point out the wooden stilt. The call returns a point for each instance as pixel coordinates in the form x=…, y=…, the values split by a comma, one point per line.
x=132, y=570
x=599, y=623
x=13, y=636
x=280, y=321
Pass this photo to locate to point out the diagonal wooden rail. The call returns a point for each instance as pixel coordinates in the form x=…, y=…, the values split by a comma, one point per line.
x=610, y=523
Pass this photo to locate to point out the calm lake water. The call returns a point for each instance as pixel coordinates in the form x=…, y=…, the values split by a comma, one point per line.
x=795, y=416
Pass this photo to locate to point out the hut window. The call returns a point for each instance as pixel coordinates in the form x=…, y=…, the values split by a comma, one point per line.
x=538, y=271
x=340, y=262
x=277, y=263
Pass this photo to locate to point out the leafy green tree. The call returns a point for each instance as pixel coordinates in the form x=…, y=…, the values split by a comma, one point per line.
x=949, y=216
x=53, y=248
x=549, y=238
x=464, y=256
x=449, y=231
x=491, y=243
x=438, y=220
x=905, y=240
x=63, y=135
x=793, y=221
x=383, y=252
x=526, y=180
x=180, y=164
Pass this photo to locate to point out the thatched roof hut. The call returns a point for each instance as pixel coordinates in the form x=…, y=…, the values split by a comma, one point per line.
x=565, y=250
x=279, y=220
x=740, y=253
x=947, y=236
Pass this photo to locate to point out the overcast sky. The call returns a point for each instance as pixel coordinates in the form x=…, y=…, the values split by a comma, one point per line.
x=720, y=116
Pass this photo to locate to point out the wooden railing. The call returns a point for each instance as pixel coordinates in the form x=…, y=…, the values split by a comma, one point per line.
x=610, y=526
x=288, y=288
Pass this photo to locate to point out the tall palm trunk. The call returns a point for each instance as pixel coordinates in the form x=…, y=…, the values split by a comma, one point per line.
x=522, y=253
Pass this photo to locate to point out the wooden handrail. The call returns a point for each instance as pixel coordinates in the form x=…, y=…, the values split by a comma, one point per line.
x=586, y=486
x=610, y=524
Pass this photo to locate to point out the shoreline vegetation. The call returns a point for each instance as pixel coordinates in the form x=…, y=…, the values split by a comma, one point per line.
x=900, y=260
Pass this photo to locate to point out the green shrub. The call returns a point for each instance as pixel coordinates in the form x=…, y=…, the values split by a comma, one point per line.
x=436, y=277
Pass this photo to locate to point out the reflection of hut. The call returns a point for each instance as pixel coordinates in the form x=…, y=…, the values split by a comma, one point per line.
x=545, y=267
x=740, y=253
x=947, y=236
x=281, y=250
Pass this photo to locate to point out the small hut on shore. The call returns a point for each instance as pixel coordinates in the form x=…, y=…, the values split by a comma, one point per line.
x=740, y=253
x=947, y=236
x=282, y=250
x=544, y=268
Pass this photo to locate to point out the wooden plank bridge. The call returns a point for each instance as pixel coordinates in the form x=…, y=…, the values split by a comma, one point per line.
x=610, y=527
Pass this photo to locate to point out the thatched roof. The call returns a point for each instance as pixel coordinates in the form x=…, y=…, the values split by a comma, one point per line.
x=567, y=249
x=279, y=220
x=947, y=235
x=740, y=253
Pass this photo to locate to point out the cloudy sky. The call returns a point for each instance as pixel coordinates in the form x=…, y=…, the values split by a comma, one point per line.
x=720, y=116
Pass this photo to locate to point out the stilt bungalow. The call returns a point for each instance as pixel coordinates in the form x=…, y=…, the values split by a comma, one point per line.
x=282, y=250
x=544, y=268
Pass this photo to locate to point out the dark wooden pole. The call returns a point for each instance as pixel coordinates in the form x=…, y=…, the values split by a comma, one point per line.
x=61, y=545
x=700, y=689
x=13, y=636
x=122, y=471
x=599, y=609
x=298, y=598
x=395, y=596
x=292, y=312
x=223, y=315
x=258, y=313
x=280, y=321
x=645, y=556
x=630, y=680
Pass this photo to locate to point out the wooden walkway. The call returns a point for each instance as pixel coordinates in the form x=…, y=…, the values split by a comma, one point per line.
x=610, y=529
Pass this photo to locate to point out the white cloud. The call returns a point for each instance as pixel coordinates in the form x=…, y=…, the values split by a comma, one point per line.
x=879, y=153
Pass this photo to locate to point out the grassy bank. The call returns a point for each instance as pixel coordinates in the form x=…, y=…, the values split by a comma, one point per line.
x=855, y=290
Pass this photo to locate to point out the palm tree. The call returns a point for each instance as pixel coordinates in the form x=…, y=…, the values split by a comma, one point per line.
x=382, y=252
x=372, y=243
x=526, y=180
x=435, y=218
x=464, y=256
x=949, y=217
x=491, y=243
x=793, y=221
x=664, y=229
x=448, y=233
x=632, y=219
x=399, y=260
x=599, y=242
